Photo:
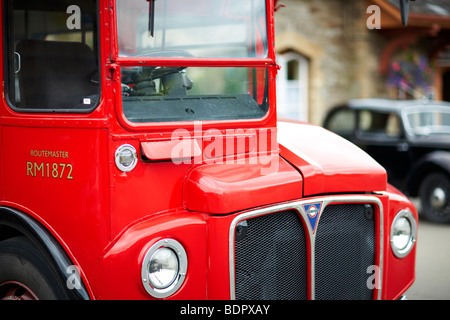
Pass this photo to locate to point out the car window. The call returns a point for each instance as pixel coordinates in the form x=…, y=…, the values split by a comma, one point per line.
x=429, y=120
x=342, y=122
x=379, y=123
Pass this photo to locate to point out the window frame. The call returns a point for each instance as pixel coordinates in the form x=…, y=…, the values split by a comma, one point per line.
x=266, y=45
x=258, y=91
x=268, y=62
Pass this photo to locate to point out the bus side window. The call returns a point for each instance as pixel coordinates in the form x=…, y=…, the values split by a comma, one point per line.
x=52, y=57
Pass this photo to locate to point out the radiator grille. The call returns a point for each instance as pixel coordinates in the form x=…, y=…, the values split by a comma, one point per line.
x=271, y=255
x=344, y=249
x=271, y=258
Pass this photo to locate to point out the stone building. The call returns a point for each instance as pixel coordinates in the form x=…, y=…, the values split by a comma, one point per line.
x=334, y=50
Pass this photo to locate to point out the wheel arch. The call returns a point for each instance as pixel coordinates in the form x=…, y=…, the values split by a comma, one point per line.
x=438, y=161
x=16, y=223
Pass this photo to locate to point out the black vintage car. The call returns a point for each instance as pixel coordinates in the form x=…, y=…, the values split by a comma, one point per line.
x=411, y=139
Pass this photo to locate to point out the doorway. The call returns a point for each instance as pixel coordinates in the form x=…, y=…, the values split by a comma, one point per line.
x=292, y=86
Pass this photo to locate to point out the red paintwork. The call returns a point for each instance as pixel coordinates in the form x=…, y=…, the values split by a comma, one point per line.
x=316, y=151
x=399, y=274
x=106, y=219
x=225, y=188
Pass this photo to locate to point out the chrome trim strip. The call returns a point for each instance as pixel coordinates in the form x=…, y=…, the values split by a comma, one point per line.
x=298, y=206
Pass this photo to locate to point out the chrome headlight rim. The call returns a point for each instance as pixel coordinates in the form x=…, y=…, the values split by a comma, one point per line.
x=173, y=287
x=134, y=159
x=403, y=252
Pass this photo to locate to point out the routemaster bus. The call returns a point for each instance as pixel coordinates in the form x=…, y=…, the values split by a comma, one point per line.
x=141, y=158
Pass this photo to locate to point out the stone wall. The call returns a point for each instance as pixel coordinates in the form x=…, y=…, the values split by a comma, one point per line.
x=342, y=51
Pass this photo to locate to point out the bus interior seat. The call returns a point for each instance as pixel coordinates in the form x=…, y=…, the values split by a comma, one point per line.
x=56, y=75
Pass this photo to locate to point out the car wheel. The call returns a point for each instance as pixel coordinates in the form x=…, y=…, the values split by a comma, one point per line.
x=434, y=194
x=25, y=273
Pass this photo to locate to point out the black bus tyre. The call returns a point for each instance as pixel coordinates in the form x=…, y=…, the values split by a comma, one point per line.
x=26, y=274
x=434, y=195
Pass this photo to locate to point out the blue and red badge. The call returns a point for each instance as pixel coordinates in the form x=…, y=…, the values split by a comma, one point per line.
x=312, y=212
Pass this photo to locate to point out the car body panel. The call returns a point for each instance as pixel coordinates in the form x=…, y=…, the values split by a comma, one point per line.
x=400, y=152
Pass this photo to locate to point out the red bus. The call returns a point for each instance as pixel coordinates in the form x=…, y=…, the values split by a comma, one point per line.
x=141, y=158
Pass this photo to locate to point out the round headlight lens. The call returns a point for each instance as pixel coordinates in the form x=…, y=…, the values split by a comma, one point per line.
x=126, y=158
x=403, y=233
x=164, y=268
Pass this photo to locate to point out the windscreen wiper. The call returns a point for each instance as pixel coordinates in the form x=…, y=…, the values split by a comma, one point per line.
x=151, y=17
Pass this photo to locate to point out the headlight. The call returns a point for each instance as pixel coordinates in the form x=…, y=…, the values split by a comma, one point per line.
x=126, y=158
x=164, y=268
x=403, y=233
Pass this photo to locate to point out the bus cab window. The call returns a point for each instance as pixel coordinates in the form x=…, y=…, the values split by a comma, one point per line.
x=51, y=55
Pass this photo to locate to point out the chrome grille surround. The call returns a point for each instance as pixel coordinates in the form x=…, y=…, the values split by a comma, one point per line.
x=298, y=206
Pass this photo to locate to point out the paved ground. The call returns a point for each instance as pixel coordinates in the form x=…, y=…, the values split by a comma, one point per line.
x=432, y=263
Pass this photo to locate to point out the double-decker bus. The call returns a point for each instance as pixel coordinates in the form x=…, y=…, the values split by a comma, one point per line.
x=141, y=158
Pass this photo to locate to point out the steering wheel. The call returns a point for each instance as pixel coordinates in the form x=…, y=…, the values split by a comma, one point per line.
x=153, y=73
x=143, y=77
